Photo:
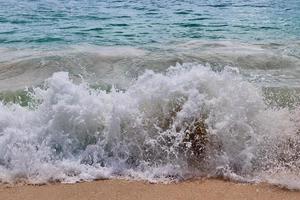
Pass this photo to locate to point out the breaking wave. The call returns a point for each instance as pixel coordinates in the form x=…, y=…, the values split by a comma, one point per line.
x=188, y=122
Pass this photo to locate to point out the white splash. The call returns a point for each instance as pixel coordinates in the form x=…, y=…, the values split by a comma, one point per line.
x=76, y=133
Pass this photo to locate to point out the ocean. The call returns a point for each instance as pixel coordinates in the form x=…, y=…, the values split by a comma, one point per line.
x=150, y=90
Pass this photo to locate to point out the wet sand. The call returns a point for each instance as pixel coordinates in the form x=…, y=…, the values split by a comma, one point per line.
x=131, y=190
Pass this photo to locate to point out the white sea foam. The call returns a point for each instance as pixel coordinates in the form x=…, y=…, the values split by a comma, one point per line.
x=265, y=64
x=73, y=132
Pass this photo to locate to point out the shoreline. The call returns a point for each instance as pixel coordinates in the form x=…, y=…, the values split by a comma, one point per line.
x=125, y=189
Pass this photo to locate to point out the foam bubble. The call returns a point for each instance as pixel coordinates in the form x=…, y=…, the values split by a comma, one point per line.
x=187, y=122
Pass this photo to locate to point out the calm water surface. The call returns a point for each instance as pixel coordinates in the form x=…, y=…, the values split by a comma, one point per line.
x=146, y=22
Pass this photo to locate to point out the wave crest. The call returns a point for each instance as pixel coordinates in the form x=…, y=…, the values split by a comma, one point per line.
x=188, y=122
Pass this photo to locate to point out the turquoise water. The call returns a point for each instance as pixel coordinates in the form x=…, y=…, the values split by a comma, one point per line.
x=47, y=23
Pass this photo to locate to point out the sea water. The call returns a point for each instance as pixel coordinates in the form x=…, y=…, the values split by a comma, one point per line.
x=150, y=90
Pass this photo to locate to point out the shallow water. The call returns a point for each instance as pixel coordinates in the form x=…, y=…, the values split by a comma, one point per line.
x=150, y=90
x=58, y=22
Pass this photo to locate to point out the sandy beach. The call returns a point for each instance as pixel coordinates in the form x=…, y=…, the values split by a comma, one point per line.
x=121, y=189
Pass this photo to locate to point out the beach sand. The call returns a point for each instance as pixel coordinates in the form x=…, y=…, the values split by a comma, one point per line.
x=131, y=190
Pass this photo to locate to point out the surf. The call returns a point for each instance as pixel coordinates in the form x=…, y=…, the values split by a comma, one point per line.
x=188, y=122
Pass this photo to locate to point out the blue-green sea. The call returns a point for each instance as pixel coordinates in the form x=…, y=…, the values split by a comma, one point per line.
x=153, y=90
x=45, y=23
